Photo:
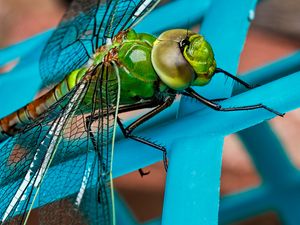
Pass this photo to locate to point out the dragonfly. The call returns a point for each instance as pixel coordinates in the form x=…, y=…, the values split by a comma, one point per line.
x=100, y=67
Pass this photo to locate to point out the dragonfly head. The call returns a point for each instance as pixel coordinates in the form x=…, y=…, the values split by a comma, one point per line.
x=182, y=58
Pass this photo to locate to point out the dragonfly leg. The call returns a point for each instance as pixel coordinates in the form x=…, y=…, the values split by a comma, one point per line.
x=218, y=99
x=213, y=100
x=137, y=106
x=126, y=108
x=144, y=141
x=143, y=173
x=218, y=107
x=160, y=107
x=88, y=123
x=246, y=85
x=127, y=132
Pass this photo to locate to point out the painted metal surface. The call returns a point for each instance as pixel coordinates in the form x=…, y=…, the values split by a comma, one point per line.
x=193, y=170
x=226, y=30
x=20, y=85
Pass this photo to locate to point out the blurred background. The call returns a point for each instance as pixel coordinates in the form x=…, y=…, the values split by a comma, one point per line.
x=274, y=33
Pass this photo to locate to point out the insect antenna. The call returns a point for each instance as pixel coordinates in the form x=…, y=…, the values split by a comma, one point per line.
x=188, y=23
x=187, y=31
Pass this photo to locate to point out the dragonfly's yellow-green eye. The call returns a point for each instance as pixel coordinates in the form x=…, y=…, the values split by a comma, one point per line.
x=168, y=61
x=183, y=58
x=201, y=57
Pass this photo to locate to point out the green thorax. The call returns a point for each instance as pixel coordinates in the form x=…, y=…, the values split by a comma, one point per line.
x=137, y=75
x=138, y=78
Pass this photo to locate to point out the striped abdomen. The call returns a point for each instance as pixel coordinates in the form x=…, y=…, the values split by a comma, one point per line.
x=14, y=122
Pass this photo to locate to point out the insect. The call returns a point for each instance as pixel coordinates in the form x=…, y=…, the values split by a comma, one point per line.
x=100, y=67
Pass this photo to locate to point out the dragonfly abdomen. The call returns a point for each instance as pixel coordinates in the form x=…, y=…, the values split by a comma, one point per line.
x=14, y=122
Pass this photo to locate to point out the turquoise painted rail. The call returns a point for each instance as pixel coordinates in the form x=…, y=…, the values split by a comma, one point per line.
x=279, y=189
x=192, y=190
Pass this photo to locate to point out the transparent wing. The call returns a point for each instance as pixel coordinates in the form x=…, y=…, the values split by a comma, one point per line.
x=64, y=155
x=26, y=157
x=91, y=200
x=85, y=27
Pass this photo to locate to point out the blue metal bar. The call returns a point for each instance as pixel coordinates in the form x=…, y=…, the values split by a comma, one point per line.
x=280, y=180
x=242, y=205
x=175, y=14
x=269, y=158
x=283, y=199
x=19, y=86
x=264, y=149
x=23, y=48
x=192, y=194
x=182, y=205
x=288, y=206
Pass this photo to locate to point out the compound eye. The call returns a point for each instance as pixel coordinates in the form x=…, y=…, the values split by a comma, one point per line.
x=168, y=60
